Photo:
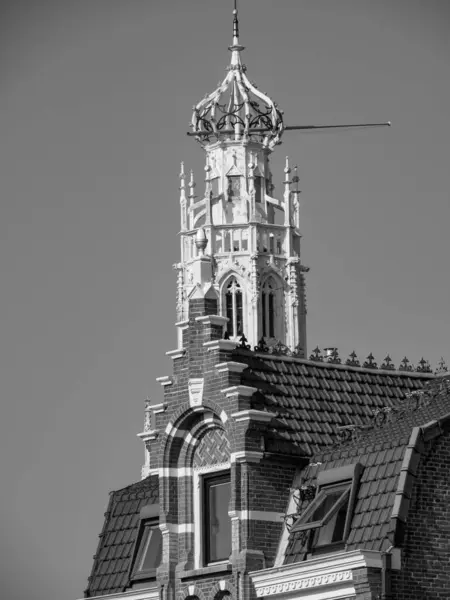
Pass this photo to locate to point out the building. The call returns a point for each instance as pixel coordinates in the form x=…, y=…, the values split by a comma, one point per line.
x=268, y=473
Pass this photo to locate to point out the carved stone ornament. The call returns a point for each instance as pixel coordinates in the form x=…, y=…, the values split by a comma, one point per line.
x=304, y=583
x=196, y=391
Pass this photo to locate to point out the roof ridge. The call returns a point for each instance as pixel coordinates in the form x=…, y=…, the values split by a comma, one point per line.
x=321, y=364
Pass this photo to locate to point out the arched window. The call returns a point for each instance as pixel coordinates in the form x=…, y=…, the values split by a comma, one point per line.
x=268, y=308
x=233, y=308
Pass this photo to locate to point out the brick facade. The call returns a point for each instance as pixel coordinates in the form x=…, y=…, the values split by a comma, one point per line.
x=192, y=438
x=425, y=574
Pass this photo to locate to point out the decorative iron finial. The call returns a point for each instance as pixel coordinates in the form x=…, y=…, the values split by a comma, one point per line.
x=316, y=355
x=243, y=343
x=387, y=364
x=370, y=362
x=352, y=360
x=405, y=365
x=423, y=366
x=442, y=367
x=332, y=356
x=262, y=346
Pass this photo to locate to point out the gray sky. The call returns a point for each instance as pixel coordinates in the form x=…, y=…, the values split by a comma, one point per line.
x=95, y=99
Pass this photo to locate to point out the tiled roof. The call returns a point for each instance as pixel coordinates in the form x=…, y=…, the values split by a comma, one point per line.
x=312, y=399
x=380, y=450
x=110, y=572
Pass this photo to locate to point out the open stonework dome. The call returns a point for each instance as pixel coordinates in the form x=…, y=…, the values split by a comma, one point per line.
x=237, y=110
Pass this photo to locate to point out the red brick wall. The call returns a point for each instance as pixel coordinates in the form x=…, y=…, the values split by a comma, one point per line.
x=425, y=573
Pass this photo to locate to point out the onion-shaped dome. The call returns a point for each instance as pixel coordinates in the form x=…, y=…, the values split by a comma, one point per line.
x=237, y=108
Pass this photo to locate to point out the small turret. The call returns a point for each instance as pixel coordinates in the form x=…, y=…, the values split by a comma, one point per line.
x=237, y=238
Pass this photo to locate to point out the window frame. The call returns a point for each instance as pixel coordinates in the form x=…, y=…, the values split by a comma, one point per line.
x=200, y=476
x=234, y=306
x=140, y=550
x=343, y=478
x=207, y=482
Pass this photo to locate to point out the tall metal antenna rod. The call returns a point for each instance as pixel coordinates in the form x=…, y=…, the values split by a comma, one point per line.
x=348, y=126
x=260, y=130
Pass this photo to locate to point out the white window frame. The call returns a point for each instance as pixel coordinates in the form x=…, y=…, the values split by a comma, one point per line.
x=199, y=474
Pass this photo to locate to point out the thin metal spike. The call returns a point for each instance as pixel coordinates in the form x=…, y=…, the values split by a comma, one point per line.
x=259, y=130
x=348, y=126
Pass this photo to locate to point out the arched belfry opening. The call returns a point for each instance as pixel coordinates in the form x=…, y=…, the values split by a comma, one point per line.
x=233, y=307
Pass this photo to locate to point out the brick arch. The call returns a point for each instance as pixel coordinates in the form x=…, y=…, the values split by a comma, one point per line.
x=191, y=592
x=170, y=445
x=200, y=429
x=223, y=589
x=213, y=447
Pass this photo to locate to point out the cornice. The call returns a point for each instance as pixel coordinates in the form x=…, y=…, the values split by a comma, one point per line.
x=158, y=408
x=147, y=436
x=239, y=390
x=177, y=353
x=165, y=380
x=231, y=367
x=330, y=573
x=146, y=594
x=212, y=320
x=253, y=415
x=228, y=345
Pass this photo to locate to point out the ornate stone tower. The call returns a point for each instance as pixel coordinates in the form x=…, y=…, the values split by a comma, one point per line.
x=238, y=241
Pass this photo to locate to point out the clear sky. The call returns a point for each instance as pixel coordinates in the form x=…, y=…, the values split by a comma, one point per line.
x=95, y=99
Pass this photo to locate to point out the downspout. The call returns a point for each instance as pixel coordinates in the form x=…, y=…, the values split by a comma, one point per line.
x=386, y=567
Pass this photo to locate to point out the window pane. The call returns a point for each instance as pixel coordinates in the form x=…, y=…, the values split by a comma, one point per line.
x=234, y=187
x=271, y=317
x=258, y=187
x=236, y=240
x=244, y=247
x=227, y=235
x=219, y=523
x=325, y=506
x=215, y=187
x=239, y=317
x=152, y=549
x=263, y=302
x=333, y=531
x=229, y=307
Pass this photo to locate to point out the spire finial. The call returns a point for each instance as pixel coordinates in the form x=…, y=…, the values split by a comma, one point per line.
x=235, y=25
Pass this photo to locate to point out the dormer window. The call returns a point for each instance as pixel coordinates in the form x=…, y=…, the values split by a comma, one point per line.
x=328, y=517
x=233, y=307
x=148, y=548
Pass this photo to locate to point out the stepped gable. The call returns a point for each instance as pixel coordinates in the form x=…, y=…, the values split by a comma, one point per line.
x=112, y=561
x=380, y=448
x=312, y=400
